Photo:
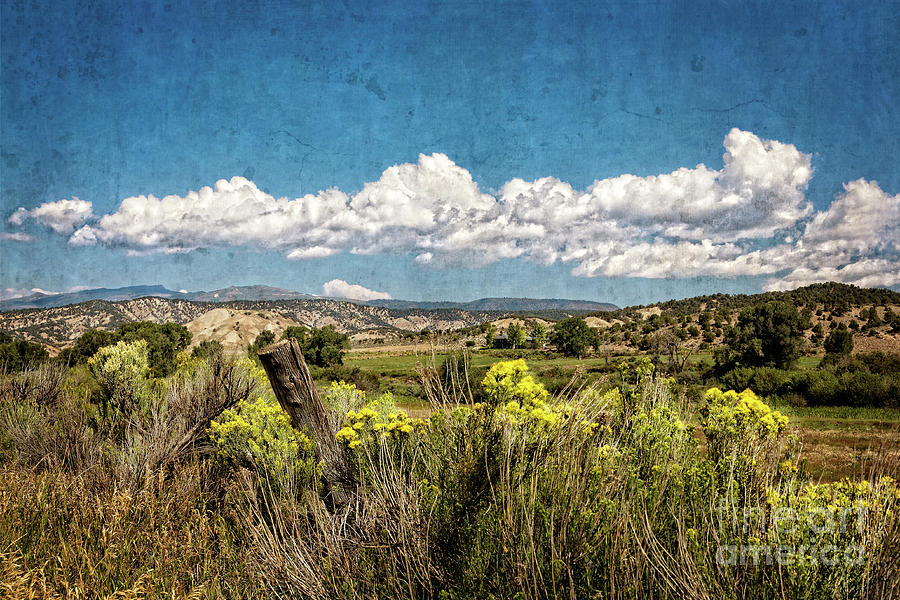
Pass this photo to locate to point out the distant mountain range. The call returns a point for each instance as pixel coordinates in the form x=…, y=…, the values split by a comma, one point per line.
x=504, y=305
x=229, y=294
x=41, y=300
x=267, y=293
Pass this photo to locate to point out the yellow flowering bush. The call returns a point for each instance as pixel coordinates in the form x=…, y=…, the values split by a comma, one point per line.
x=258, y=434
x=379, y=420
x=342, y=396
x=508, y=381
x=518, y=398
x=734, y=421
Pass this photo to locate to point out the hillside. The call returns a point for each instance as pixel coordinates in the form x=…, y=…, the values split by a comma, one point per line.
x=836, y=296
x=698, y=322
x=701, y=322
x=58, y=327
x=236, y=329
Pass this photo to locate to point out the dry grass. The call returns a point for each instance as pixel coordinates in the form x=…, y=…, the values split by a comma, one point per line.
x=168, y=540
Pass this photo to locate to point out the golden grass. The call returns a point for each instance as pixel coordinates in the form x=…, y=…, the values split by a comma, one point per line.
x=168, y=540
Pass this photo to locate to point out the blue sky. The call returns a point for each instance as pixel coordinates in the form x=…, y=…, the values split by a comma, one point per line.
x=451, y=150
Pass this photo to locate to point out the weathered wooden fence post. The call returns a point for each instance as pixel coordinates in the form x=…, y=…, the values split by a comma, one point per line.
x=297, y=393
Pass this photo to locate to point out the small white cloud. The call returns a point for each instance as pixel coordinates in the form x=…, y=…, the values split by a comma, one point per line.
x=83, y=237
x=16, y=237
x=313, y=252
x=62, y=216
x=338, y=288
x=19, y=216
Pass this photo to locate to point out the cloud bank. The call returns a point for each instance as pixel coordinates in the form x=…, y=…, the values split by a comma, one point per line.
x=751, y=217
x=338, y=288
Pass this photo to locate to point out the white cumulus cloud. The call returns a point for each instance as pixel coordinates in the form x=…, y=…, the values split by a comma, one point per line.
x=751, y=217
x=338, y=288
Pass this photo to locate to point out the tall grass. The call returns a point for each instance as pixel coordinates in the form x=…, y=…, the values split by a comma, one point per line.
x=168, y=539
x=96, y=504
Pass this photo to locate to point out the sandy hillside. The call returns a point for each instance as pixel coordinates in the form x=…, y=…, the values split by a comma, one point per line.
x=502, y=324
x=236, y=329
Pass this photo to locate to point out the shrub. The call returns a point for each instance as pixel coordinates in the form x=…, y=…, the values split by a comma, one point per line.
x=735, y=422
x=17, y=355
x=507, y=382
x=122, y=371
x=258, y=434
x=207, y=349
x=164, y=342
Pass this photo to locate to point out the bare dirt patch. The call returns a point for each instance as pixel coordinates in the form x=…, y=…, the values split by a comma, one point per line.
x=236, y=329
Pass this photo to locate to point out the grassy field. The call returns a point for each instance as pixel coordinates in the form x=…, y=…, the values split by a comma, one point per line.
x=841, y=441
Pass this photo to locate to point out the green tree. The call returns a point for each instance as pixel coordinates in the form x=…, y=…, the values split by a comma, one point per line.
x=16, y=355
x=539, y=334
x=265, y=338
x=326, y=347
x=839, y=342
x=489, y=334
x=572, y=336
x=873, y=319
x=297, y=332
x=768, y=334
x=323, y=347
x=86, y=346
x=515, y=334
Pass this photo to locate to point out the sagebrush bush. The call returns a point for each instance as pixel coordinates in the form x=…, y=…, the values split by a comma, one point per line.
x=258, y=434
x=122, y=371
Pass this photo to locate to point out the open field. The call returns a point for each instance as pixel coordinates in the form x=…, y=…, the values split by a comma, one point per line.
x=841, y=441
